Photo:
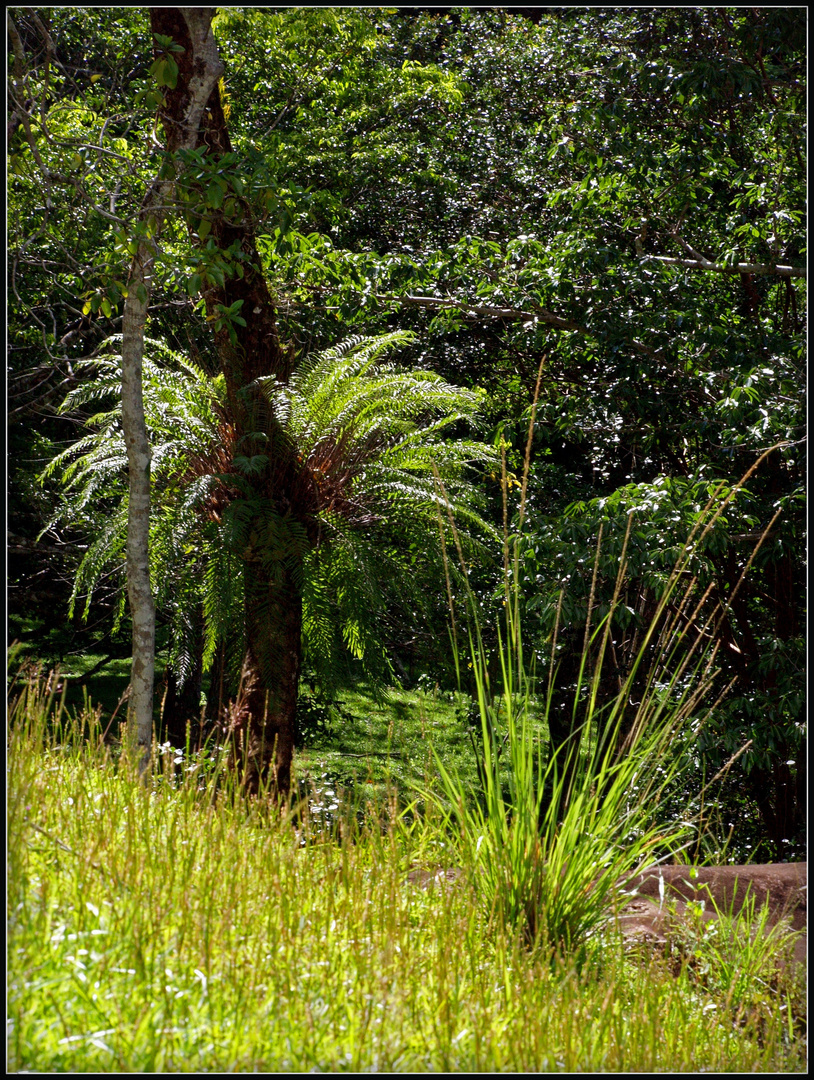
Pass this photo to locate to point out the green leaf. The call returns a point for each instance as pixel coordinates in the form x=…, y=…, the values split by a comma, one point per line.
x=165, y=71
x=171, y=73
x=156, y=70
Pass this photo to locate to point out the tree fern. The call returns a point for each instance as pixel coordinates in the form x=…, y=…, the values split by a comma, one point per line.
x=369, y=439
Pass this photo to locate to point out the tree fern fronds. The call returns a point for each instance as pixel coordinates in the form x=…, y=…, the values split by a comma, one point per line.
x=108, y=548
x=349, y=446
x=72, y=458
x=174, y=543
x=181, y=659
x=456, y=455
x=94, y=472
x=119, y=611
x=280, y=538
x=222, y=596
x=106, y=384
x=355, y=354
x=196, y=492
x=154, y=348
x=184, y=620
x=343, y=604
x=317, y=623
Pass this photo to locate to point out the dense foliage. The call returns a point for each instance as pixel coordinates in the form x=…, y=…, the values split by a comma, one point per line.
x=621, y=192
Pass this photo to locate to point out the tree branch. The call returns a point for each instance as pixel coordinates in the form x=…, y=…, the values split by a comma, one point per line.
x=488, y=311
x=485, y=310
x=736, y=268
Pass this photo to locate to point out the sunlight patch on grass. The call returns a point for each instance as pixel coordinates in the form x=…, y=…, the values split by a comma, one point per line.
x=174, y=927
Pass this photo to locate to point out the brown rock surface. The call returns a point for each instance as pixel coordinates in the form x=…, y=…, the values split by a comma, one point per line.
x=724, y=889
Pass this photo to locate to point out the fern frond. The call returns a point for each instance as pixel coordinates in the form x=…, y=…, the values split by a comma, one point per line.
x=368, y=439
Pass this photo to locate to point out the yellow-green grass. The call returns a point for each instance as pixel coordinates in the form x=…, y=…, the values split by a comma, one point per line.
x=170, y=927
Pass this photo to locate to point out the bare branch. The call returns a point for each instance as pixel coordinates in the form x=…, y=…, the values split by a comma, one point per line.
x=484, y=310
x=736, y=268
x=490, y=312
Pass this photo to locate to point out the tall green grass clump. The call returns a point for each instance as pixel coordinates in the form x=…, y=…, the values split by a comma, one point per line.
x=551, y=855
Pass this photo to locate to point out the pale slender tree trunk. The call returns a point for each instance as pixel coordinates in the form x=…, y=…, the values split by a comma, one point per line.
x=206, y=70
x=139, y=591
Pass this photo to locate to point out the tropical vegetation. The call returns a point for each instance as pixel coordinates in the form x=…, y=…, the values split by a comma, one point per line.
x=414, y=397
x=173, y=927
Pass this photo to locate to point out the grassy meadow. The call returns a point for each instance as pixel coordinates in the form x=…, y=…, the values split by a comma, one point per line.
x=171, y=926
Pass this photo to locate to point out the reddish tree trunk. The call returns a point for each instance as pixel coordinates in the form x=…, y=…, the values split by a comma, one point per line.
x=262, y=722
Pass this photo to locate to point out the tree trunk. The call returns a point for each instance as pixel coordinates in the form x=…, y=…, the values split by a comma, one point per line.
x=142, y=608
x=776, y=792
x=262, y=723
x=139, y=592
x=262, y=720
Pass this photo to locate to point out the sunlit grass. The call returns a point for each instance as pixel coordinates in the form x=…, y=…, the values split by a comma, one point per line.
x=171, y=927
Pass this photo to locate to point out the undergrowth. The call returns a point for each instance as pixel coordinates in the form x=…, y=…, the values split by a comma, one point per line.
x=175, y=927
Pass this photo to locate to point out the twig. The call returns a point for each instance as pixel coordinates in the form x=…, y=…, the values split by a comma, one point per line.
x=376, y=753
x=122, y=700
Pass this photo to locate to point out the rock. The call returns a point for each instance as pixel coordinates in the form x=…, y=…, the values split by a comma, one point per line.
x=723, y=889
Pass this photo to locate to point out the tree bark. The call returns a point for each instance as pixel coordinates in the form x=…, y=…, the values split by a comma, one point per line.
x=139, y=593
x=735, y=268
x=261, y=723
